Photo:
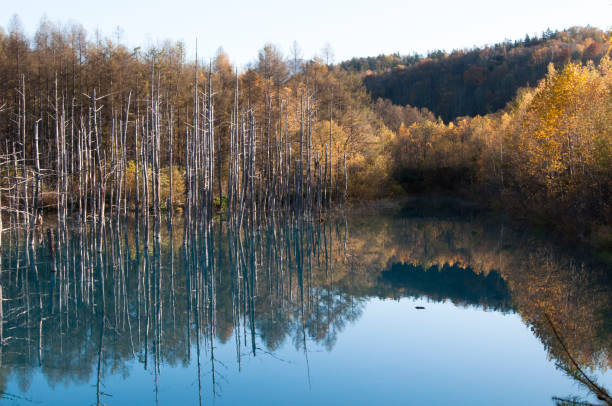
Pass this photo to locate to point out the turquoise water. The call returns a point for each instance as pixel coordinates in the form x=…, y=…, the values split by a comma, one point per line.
x=373, y=308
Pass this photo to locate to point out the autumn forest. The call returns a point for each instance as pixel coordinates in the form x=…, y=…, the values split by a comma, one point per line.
x=173, y=224
x=90, y=126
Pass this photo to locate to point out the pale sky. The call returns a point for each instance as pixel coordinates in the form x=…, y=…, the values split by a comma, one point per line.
x=352, y=27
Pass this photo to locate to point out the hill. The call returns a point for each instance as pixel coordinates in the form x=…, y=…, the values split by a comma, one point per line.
x=476, y=81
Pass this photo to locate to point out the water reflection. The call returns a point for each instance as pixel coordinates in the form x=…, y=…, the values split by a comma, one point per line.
x=79, y=314
x=460, y=285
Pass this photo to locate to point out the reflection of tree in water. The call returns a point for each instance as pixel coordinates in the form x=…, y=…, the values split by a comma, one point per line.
x=165, y=303
x=162, y=302
x=541, y=279
x=567, y=363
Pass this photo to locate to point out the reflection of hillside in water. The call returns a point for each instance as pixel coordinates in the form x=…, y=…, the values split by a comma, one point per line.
x=449, y=282
x=289, y=282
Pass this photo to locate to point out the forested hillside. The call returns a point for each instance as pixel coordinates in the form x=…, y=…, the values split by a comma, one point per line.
x=548, y=155
x=475, y=81
x=534, y=131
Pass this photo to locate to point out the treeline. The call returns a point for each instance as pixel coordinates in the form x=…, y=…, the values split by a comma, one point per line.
x=84, y=119
x=383, y=62
x=476, y=81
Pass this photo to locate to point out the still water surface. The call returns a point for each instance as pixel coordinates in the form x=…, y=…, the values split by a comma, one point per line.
x=414, y=306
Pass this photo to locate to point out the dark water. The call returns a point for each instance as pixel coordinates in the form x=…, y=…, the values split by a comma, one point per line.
x=417, y=306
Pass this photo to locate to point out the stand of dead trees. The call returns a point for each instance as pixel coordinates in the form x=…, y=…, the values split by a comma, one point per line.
x=104, y=157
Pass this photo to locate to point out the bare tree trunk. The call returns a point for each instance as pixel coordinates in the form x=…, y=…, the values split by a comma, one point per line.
x=24, y=172
x=170, y=205
x=57, y=158
x=331, y=147
x=101, y=181
x=37, y=180
x=345, y=180
x=136, y=169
